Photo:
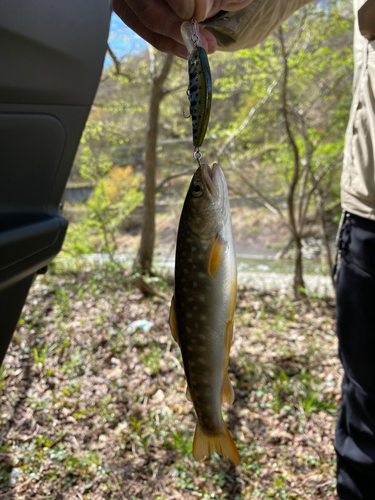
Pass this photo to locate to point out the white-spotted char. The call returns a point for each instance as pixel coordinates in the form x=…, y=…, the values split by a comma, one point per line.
x=203, y=306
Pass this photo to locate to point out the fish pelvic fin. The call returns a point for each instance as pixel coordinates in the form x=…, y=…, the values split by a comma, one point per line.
x=204, y=444
x=227, y=392
x=173, y=321
x=188, y=394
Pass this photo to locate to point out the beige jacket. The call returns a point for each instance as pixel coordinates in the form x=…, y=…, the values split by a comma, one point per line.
x=249, y=26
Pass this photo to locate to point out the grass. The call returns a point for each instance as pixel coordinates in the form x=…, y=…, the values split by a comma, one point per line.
x=91, y=409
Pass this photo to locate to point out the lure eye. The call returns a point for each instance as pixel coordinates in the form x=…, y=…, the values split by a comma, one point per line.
x=197, y=190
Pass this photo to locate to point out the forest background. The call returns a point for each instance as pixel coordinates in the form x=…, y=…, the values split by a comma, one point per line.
x=92, y=400
x=277, y=128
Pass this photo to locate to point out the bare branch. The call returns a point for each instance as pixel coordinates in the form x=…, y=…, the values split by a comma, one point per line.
x=266, y=201
x=250, y=115
x=116, y=62
x=170, y=177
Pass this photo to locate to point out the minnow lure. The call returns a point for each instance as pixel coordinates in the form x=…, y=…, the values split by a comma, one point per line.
x=200, y=85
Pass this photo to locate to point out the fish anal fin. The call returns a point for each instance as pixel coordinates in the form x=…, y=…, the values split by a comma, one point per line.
x=216, y=254
x=188, y=394
x=228, y=336
x=227, y=392
x=173, y=321
x=204, y=444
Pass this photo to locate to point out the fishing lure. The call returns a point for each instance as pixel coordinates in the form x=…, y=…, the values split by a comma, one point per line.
x=200, y=85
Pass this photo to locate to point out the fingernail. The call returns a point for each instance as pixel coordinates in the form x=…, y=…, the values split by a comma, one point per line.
x=208, y=9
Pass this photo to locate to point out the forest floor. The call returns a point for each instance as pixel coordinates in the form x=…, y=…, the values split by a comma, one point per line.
x=92, y=405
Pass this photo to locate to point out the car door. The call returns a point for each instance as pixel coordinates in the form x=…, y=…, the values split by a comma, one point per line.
x=51, y=58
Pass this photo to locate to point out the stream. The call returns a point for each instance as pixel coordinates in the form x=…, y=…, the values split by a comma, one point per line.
x=254, y=271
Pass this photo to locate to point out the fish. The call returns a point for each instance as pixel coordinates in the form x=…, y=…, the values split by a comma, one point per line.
x=200, y=82
x=203, y=304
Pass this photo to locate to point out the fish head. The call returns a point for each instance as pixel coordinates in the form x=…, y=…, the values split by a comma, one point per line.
x=207, y=202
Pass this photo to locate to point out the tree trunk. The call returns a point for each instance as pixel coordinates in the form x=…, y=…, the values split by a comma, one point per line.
x=298, y=283
x=325, y=237
x=146, y=249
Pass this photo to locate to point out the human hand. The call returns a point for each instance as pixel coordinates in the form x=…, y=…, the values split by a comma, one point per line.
x=159, y=21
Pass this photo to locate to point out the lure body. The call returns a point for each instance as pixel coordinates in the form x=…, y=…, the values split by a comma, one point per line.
x=200, y=93
x=200, y=83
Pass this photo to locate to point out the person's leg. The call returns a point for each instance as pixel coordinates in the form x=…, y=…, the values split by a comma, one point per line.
x=355, y=431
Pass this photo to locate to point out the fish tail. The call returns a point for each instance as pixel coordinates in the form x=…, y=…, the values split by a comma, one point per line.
x=204, y=444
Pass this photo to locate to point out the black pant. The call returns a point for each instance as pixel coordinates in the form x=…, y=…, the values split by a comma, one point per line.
x=355, y=431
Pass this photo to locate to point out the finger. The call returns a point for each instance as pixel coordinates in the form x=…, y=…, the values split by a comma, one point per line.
x=237, y=5
x=208, y=40
x=203, y=9
x=160, y=42
x=156, y=15
x=184, y=9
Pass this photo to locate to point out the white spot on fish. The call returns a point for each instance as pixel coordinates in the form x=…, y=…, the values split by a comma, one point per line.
x=188, y=329
x=195, y=308
x=193, y=249
x=194, y=266
x=201, y=297
x=189, y=315
x=195, y=284
x=190, y=348
x=190, y=299
x=201, y=275
x=196, y=325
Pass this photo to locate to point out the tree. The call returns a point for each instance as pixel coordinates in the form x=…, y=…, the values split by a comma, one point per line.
x=300, y=84
x=146, y=249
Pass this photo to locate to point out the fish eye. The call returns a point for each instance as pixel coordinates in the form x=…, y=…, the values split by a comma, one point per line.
x=197, y=189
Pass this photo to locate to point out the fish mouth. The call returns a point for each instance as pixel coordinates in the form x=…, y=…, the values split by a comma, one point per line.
x=209, y=175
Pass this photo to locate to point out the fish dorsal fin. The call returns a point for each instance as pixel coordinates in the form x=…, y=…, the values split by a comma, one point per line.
x=173, y=321
x=188, y=394
x=227, y=392
x=216, y=254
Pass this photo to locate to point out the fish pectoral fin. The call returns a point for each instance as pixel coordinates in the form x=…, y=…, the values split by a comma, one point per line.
x=173, y=321
x=216, y=254
x=204, y=444
x=227, y=391
x=188, y=394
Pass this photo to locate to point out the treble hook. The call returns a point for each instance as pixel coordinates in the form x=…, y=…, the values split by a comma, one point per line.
x=183, y=111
